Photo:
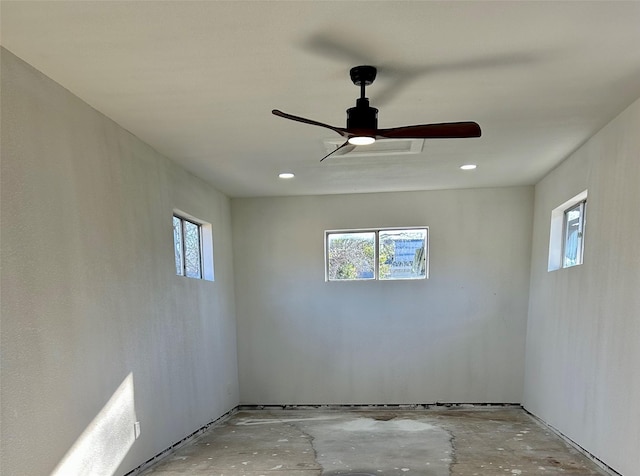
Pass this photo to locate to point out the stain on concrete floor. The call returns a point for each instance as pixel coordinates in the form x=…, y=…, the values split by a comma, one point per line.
x=476, y=441
x=390, y=446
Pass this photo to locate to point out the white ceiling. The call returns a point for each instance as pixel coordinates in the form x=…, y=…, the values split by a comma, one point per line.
x=198, y=81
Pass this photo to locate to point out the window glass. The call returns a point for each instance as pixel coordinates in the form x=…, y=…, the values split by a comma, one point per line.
x=402, y=254
x=190, y=259
x=573, y=235
x=177, y=245
x=351, y=256
x=192, y=250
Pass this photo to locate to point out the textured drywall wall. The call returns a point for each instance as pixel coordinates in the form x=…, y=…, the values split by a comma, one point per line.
x=97, y=330
x=583, y=338
x=456, y=337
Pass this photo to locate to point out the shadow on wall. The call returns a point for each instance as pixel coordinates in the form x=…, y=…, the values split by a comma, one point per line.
x=107, y=439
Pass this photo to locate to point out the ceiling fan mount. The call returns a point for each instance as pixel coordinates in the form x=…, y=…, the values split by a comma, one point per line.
x=362, y=121
x=363, y=75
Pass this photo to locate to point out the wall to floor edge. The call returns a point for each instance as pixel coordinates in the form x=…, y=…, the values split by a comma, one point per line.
x=583, y=330
x=97, y=330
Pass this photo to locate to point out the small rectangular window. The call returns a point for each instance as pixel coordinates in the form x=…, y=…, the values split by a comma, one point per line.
x=573, y=225
x=187, y=241
x=384, y=254
x=566, y=233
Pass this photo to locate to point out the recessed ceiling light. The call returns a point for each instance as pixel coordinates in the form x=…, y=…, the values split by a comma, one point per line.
x=468, y=166
x=286, y=175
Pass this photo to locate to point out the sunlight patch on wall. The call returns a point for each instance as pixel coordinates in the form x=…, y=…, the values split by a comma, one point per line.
x=106, y=440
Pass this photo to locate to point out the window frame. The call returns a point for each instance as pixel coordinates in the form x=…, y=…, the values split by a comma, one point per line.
x=205, y=246
x=376, y=260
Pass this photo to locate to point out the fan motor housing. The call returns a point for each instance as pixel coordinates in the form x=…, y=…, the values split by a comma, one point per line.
x=362, y=116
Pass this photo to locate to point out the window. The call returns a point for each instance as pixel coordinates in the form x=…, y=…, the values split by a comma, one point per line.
x=188, y=249
x=192, y=244
x=573, y=225
x=566, y=237
x=384, y=254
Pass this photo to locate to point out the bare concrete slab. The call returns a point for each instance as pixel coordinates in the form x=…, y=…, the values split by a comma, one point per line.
x=475, y=441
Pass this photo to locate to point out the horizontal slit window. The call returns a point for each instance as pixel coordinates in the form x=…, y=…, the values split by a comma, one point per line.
x=379, y=254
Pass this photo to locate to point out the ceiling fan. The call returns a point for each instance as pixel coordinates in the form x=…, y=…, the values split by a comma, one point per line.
x=362, y=121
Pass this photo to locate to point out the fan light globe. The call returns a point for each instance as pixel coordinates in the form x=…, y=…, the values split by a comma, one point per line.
x=361, y=140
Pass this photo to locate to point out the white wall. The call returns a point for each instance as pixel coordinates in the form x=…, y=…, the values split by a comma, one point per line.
x=583, y=338
x=456, y=337
x=90, y=300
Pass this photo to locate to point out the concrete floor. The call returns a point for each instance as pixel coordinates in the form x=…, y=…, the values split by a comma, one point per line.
x=378, y=442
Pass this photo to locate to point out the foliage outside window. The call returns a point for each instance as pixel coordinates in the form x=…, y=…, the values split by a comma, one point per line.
x=351, y=255
x=187, y=241
x=384, y=254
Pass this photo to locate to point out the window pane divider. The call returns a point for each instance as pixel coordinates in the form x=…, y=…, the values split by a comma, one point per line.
x=376, y=256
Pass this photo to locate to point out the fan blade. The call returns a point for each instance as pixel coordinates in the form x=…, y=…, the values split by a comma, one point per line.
x=346, y=148
x=447, y=130
x=353, y=50
x=339, y=130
